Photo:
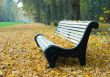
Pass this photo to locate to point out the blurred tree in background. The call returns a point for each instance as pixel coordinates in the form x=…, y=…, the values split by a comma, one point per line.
x=95, y=9
x=10, y=12
x=48, y=11
x=52, y=11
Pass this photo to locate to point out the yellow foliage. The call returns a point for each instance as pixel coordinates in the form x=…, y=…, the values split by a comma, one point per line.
x=11, y=75
x=107, y=11
x=1, y=73
x=61, y=41
x=20, y=57
x=101, y=19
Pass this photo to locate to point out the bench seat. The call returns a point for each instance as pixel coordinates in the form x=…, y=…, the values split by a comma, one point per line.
x=43, y=42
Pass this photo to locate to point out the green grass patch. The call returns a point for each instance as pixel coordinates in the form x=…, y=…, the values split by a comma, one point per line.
x=6, y=24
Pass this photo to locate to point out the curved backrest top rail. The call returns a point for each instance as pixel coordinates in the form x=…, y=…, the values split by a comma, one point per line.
x=82, y=23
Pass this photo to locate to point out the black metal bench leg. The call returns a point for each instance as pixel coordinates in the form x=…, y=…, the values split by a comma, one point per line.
x=51, y=57
x=52, y=62
x=82, y=61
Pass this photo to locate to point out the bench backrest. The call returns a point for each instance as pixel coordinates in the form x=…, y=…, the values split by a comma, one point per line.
x=75, y=31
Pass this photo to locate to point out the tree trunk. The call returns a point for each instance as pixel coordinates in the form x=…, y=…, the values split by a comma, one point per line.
x=75, y=9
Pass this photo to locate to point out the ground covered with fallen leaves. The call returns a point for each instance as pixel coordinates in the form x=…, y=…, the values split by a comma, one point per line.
x=20, y=57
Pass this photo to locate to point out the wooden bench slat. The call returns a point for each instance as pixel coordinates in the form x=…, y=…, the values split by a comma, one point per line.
x=76, y=22
x=73, y=25
x=47, y=41
x=41, y=44
x=71, y=33
x=72, y=29
x=42, y=41
x=72, y=37
x=74, y=32
x=76, y=41
x=75, y=35
x=68, y=37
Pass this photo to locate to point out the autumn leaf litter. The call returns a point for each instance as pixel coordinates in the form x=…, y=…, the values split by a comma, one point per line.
x=20, y=57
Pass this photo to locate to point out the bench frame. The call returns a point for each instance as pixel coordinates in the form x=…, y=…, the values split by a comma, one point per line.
x=52, y=52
